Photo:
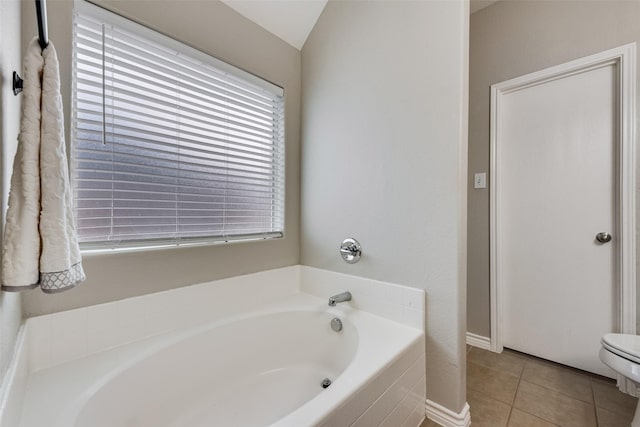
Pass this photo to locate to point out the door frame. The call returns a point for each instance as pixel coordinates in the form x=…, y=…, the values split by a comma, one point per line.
x=624, y=58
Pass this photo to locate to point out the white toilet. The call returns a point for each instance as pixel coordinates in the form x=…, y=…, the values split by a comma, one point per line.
x=621, y=352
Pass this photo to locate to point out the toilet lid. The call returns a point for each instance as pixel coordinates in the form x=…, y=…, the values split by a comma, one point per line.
x=624, y=345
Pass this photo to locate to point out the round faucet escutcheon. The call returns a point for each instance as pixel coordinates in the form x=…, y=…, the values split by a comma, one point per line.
x=350, y=250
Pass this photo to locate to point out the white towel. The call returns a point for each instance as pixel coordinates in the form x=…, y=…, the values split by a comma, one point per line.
x=40, y=240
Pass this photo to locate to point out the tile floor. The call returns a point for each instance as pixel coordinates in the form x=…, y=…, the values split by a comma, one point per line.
x=516, y=390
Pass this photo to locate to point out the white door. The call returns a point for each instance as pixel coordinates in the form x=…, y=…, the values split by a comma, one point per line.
x=558, y=186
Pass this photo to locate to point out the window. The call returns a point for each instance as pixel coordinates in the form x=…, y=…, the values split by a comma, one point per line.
x=169, y=145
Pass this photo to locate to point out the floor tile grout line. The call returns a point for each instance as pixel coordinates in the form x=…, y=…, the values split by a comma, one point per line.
x=593, y=395
x=547, y=388
x=559, y=392
x=567, y=368
x=515, y=395
x=493, y=368
x=539, y=418
x=520, y=379
x=593, y=403
x=481, y=391
x=509, y=417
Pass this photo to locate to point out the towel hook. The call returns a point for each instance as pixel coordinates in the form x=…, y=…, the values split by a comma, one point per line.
x=17, y=83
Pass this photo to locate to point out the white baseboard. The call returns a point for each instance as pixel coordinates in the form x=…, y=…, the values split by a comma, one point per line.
x=447, y=418
x=479, y=341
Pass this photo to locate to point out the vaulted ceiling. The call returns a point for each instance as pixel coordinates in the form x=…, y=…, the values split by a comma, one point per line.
x=293, y=20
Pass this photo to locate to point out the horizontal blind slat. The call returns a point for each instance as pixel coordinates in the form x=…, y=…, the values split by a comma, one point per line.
x=164, y=168
x=123, y=129
x=193, y=153
x=129, y=64
x=92, y=131
x=124, y=45
x=124, y=194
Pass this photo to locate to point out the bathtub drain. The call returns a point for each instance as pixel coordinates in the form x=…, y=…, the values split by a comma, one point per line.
x=326, y=383
x=336, y=324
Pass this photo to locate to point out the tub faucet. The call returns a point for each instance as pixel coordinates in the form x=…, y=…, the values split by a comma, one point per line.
x=345, y=296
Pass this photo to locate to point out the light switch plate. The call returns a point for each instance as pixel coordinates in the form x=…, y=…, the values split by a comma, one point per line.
x=480, y=180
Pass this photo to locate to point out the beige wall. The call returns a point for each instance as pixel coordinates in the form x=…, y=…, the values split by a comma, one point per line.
x=218, y=30
x=384, y=159
x=509, y=39
x=10, y=60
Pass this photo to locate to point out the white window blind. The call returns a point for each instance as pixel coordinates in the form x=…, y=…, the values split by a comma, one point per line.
x=169, y=145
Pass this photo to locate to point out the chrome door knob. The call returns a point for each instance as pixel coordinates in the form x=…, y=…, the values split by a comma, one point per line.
x=603, y=237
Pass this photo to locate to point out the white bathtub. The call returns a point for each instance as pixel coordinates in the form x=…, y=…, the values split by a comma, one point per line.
x=258, y=367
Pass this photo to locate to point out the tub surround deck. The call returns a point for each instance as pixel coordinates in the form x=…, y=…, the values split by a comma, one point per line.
x=74, y=353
